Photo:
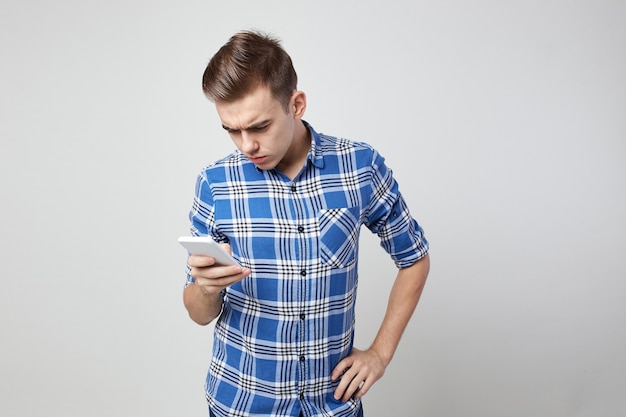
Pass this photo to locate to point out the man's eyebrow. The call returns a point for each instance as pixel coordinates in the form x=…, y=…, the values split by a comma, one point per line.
x=258, y=124
x=254, y=125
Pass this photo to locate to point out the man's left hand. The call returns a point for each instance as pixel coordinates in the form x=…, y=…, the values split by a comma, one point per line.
x=358, y=372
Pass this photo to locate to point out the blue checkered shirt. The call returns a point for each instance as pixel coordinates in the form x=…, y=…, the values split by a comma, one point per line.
x=284, y=328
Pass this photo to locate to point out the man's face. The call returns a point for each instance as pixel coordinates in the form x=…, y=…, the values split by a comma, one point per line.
x=261, y=128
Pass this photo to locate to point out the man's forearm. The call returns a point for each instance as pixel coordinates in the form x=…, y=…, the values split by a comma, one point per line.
x=203, y=308
x=403, y=299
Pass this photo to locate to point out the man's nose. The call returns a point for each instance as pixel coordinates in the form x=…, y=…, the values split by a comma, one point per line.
x=248, y=143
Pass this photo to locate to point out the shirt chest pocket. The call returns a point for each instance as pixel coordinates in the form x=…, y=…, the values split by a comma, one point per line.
x=339, y=236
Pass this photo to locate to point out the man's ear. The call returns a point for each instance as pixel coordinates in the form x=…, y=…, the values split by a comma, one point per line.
x=298, y=103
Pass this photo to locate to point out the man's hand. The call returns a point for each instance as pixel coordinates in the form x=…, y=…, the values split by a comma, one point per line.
x=358, y=372
x=213, y=279
x=203, y=298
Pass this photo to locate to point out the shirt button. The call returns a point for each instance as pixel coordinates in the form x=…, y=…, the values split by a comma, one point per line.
x=303, y=273
x=302, y=358
x=302, y=395
x=293, y=187
x=300, y=229
x=302, y=316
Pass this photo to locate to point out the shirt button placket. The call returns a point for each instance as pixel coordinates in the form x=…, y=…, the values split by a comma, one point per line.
x=301, y=357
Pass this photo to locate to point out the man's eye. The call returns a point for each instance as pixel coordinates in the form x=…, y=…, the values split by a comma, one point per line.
x=260, y=128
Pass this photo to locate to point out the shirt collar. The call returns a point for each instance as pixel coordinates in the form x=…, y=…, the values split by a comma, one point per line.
x=315, y=153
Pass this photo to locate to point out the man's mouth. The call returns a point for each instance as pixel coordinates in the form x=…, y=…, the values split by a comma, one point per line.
x=258, y=159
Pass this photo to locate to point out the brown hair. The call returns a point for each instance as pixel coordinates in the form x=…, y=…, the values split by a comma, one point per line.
x=247, y=60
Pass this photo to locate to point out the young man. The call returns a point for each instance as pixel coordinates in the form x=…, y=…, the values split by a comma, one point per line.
x=290, y=203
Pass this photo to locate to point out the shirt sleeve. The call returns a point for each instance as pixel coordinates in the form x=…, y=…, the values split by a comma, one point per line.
x=202, y=216
x=389, y=217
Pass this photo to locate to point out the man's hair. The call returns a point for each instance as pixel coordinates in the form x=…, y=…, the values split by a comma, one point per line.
x=248, y=60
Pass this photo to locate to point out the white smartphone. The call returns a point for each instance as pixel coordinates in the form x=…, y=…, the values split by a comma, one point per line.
x=205, y=245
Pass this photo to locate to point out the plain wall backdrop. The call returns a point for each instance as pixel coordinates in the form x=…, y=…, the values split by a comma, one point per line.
x=504, y=122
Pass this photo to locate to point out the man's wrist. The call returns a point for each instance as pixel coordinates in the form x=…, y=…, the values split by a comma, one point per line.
x=383, y=354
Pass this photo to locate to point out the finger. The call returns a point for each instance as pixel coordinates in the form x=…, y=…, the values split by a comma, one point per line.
x=362, y=389
x=227, y=248
x=219, y=283
x=231, y=273
x=213, y=285
x=214, y=272
x=341, y=368
x=355, y=384
x=200, y=261
x=344, y=385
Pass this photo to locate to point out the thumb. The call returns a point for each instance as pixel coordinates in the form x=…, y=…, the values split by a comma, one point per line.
x=227, y=248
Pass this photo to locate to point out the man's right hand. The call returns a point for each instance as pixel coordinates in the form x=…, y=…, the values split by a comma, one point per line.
x=211, y=278
x=202, y=298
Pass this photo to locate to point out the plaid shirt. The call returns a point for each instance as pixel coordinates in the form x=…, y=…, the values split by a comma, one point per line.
x=284, y=328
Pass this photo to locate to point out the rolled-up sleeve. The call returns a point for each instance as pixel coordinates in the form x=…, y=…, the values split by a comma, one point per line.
x=389, y=217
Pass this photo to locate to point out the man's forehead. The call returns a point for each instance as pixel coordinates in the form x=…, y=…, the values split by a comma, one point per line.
x=247, y=111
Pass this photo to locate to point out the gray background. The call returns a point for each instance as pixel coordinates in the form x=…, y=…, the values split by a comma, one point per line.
x=504, y=123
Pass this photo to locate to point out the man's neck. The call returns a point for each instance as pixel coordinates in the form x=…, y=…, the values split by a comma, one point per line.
x=300, y=147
